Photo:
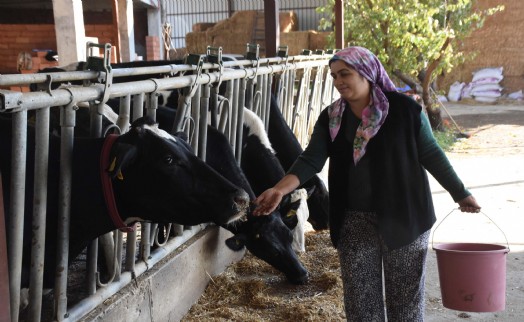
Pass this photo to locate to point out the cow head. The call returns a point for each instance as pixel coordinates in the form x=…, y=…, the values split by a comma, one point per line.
x=162, y=180
x=270, y=238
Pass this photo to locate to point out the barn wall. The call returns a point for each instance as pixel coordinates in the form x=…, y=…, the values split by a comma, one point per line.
x=498, y=43
x=15, y=38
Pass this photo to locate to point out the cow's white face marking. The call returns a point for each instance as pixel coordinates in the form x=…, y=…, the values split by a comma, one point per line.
x=299, y=240
x=159, y=132
x=256, y=127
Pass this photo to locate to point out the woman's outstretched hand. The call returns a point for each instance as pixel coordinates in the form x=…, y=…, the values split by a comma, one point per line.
x=469, y=204
x=267, y=202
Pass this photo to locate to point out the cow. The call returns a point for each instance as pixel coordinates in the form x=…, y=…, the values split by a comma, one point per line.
x=269, y=238
x=287, y=148
x=153, y=176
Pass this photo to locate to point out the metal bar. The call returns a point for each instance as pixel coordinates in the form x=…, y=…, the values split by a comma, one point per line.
x=204, y=116
x=194, y=128
x=66, y=160
x=138, y=105
x=130, y=252
x=124, y=113
x=16, y=223
x=39, y=213
x=33, y=100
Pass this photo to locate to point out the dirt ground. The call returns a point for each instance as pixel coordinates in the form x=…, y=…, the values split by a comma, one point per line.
x=491, y=164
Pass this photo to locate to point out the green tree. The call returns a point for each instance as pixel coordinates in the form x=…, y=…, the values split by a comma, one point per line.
x=415, y=39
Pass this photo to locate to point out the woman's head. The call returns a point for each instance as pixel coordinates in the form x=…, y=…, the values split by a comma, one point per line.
x=366, y=64
x=352, y=86
x=358, y=76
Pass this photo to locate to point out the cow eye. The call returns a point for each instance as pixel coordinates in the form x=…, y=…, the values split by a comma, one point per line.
x=168, y=159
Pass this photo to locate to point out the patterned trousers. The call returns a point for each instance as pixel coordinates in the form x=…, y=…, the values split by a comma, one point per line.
x=373, y=275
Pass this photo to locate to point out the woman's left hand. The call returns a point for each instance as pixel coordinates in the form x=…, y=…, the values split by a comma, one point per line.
x=469, y=204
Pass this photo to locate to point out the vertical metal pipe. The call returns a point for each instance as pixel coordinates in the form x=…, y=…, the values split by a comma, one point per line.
x=39, y=213
x=263, y=101
x=91, y=266
x=130, y=251
x=229, y=97
x=92, y=248
x=269, y=83
x=16, y=215
x=124, y=113
x=204, y=115
x=119, y=246
x=66, y=161
x=195, y=129
x=236, y=120
x=249, y=94
x=152, y=106
x=213, y=106
x=145, y=245
x=138, y=106
x=240, y=119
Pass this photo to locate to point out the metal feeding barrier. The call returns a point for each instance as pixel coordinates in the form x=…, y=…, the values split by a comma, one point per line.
x=212, y=91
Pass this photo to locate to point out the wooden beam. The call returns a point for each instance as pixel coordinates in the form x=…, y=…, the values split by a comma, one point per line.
x=271, y=20
x=116, y=32
x=339, y=24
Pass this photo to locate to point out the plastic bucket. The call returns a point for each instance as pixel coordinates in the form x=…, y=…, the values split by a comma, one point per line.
x=472, y=276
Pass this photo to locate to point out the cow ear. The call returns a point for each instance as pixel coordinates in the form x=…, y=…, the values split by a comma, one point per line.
x=122, y=154
x=290, y=219
x=236, y=242
x=182, y=135
x=310, y=191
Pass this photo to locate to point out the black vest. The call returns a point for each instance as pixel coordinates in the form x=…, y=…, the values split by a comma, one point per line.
x=400, y=189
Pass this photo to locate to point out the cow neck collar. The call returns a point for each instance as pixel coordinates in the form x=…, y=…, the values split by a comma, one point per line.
x=107, y=186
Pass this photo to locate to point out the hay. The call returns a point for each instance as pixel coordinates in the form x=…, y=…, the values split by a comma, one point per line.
x=251, y=290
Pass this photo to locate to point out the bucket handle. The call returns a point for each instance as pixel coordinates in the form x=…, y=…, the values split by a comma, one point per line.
x=452, y=210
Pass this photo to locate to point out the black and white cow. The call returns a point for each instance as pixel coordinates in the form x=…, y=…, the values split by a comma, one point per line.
x=287, y=148
x=269, y=238
x=154, y=177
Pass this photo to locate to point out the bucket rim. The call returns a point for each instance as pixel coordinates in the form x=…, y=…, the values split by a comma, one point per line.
x=498, y=248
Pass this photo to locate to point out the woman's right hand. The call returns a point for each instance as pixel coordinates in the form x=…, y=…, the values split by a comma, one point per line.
x=267, y=202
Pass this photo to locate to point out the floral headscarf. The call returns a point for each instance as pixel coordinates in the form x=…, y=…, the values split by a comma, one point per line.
x=374, y=115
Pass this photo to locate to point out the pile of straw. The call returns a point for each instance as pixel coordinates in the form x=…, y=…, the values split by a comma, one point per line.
x=251, y=290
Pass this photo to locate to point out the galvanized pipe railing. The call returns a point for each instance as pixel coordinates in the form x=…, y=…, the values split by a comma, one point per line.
x=239, y=82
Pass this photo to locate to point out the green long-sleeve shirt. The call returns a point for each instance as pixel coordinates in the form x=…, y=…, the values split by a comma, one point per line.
x=431, y=156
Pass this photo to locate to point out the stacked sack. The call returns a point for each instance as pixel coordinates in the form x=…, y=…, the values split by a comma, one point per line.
x=484, y=86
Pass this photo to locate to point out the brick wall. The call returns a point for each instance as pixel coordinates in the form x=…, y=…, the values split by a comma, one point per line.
x=15, y=38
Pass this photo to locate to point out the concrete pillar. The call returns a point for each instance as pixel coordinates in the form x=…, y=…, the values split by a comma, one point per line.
x=70, y=31
x=126, y=30
x=154, y=27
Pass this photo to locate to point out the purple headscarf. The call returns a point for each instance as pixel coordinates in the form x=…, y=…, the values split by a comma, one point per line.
x=373, y=116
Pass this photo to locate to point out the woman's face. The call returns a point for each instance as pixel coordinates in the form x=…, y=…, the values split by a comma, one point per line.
x=350, y=84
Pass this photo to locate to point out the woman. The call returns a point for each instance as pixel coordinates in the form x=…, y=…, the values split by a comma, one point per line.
x=380, y=145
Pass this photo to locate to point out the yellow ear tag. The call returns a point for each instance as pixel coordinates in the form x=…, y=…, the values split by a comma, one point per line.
x=113, y=164
x=291, y=213
x=120, y=176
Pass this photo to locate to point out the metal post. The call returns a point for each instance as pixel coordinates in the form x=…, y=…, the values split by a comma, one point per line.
x=39, y=213
x=16, y=216
x=66, y=161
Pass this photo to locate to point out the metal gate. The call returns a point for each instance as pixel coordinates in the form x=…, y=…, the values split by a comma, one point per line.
x=301, y=84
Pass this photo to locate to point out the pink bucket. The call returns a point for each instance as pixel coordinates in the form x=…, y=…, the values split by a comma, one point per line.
x=472, y=276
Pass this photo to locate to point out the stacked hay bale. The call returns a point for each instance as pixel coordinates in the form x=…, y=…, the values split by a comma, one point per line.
x=234, y=33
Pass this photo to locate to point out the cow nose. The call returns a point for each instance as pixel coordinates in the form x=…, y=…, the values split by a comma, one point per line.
x=299, y=280
x=241, y=198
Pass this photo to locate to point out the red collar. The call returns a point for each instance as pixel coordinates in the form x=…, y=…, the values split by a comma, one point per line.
x=107, y=186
